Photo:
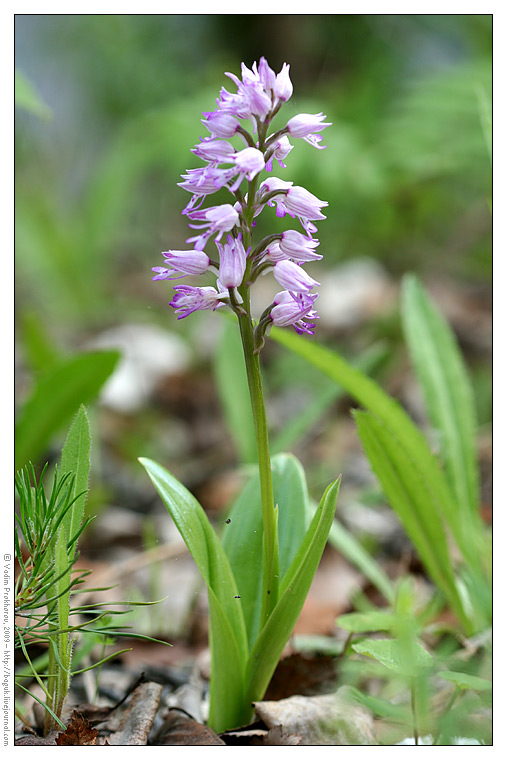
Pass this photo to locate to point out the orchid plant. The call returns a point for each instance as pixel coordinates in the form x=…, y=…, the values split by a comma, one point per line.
x=258, y=576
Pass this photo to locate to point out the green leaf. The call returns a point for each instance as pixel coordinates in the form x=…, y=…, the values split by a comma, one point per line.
x=449, y=400
x=232, y=385
x=362, y=622
x=26, y=97
x=56, y=397
x=228, y=639
x=413, y=501
x=39, y=348
x=389, y=653
x=466, y=681
x=242, y=537
x=372, y=397
x=307, y=416
x=76, y=459
x=293, y=590
x=228, y=707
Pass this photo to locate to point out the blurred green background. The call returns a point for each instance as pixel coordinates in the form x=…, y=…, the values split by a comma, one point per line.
x=406, y=171
x=110, y=105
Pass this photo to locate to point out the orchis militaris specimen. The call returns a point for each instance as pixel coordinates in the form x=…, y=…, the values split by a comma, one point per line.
x=236, y=262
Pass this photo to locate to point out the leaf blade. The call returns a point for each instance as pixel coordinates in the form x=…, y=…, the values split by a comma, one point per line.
x=294, y=588
x=76, y=459
x=56, y=397
x=447, y=391
x=405, y=486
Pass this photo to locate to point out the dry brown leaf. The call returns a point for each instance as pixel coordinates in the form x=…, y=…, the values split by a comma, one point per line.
x=132, y=722
x=180, y=730
x=78, y=733
x=278, y=737
x=331, y=719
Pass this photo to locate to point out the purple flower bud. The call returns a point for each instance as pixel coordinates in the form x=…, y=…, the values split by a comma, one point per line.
x=293, y=277
x=188, y=299
x=182, y=262
x=292, y=310
x=296, y=246
x=283, y=86
x=266, y=75
x=232, y=262
x=220, y=124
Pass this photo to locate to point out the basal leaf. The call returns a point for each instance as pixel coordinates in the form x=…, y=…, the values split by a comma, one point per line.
x=228, y=708
x=228, y=641
x=203, y=544
x=294, y=588
x=242, y=536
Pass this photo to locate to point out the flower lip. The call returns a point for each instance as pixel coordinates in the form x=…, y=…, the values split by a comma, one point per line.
x=293, y=310
x=188, y=299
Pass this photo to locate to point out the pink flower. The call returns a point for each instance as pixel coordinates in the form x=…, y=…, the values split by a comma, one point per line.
x=281, y=150
x=232, y=262
x=305, y=125
x=217, y=219
x=188, y=299
x=292, y=310
x=220, y=124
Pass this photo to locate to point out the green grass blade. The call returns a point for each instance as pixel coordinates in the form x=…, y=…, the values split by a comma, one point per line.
x=409, y=494
x=306, y=417
x=27, y=98
x=372, y=397
x=294, y=588
x=347, y=545
x=448, y=394
x=56, y=397
x=76, y=459
x=242, y=537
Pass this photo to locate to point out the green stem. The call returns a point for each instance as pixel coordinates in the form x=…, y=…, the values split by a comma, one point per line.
x=270, y=577
x=269, y=514
x=414, y=712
